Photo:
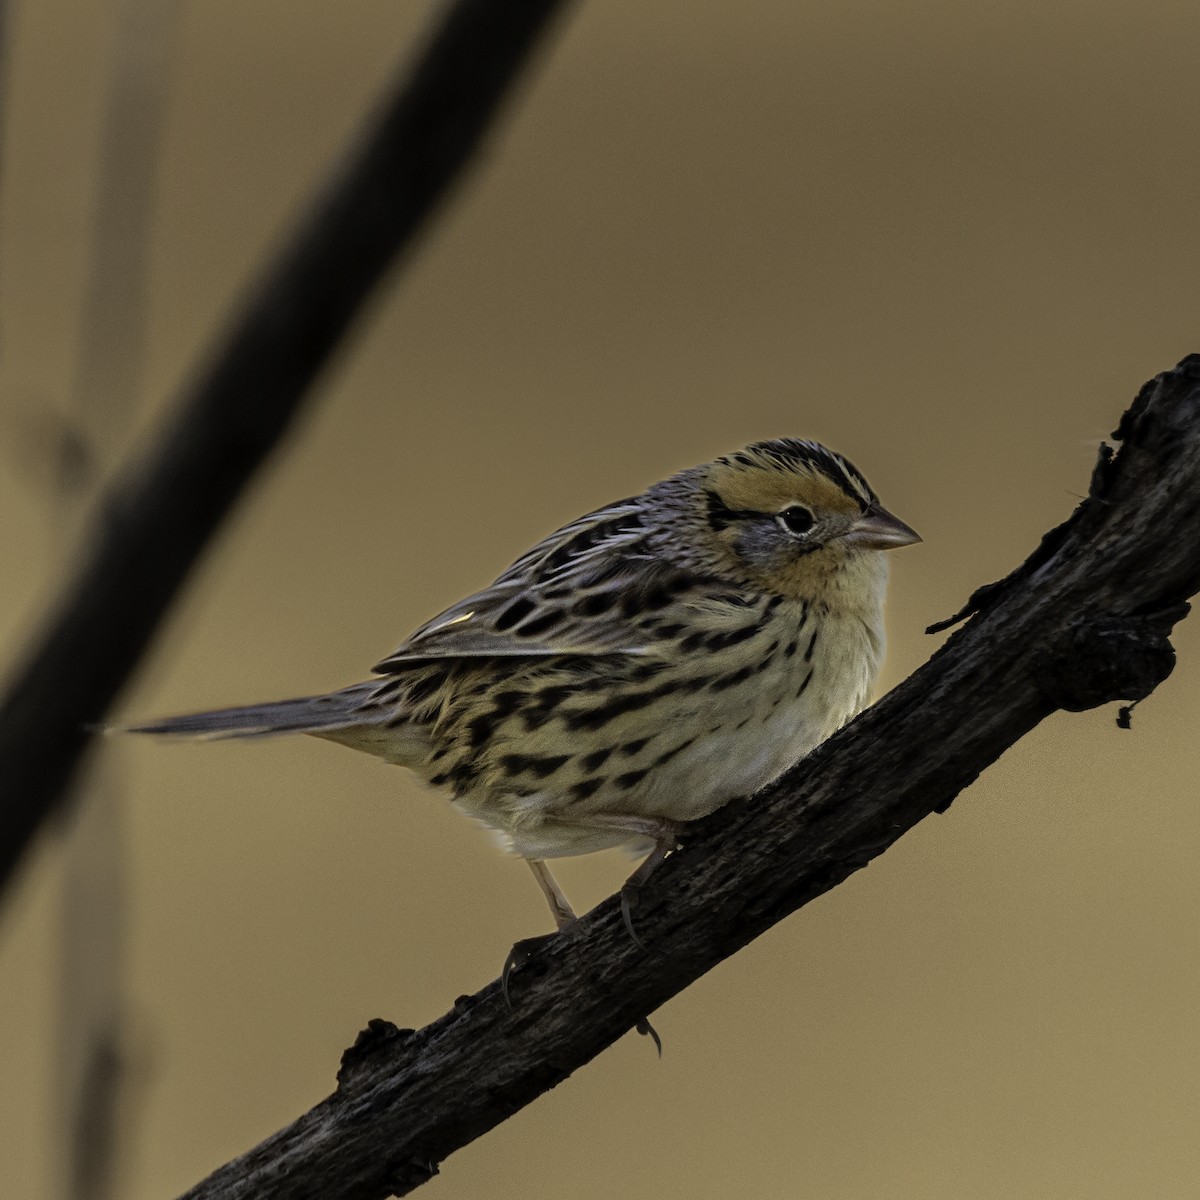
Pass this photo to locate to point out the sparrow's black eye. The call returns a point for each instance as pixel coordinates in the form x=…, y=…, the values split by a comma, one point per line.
x=796, y=519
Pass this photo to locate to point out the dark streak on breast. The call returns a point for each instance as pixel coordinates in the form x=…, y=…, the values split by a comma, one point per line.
x=670, y=754
x=596, y=718
x=630, y=749
x=581, y=791
x=812, y=641
x=543, y=768
x=595, y=760
x=631, y=777
x=720, y=641
x=728, y=681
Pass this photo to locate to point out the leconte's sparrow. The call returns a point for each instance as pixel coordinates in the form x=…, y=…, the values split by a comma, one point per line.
x=636, y=669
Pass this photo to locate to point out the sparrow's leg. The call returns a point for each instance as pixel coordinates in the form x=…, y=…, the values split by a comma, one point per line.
x=563, y=914
x=664, y=834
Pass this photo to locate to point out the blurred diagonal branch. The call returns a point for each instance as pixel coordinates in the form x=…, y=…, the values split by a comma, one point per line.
x=150, y=527
x=1084, y=621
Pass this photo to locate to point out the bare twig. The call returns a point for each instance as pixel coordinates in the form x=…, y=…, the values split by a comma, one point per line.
x=92, y=1023
x=152, y=525
x=1083, y=622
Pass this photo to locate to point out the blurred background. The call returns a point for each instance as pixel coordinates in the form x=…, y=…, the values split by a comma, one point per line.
x=950, y=240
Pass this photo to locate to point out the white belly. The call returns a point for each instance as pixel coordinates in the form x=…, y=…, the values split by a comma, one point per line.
x=741, y=739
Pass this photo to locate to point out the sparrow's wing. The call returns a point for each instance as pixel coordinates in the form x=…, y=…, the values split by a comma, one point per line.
x=592, y=587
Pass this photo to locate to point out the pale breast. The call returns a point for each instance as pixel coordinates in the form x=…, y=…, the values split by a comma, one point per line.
x=727, y=722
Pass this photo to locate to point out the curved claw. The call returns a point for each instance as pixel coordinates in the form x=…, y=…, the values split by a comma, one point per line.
x=644, y=1027
x=518, y=956
x=668, y=840
x=628, y=897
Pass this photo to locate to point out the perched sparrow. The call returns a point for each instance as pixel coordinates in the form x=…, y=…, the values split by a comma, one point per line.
x=638, y=668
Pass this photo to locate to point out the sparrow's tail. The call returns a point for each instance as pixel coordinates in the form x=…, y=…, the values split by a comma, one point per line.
x=351, y=706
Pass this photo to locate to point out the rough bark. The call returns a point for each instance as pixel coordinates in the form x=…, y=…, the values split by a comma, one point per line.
x=151, y=526
x=1084, y=621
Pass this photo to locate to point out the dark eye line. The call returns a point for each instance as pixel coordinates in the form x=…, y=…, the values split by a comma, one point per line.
x=721, y=516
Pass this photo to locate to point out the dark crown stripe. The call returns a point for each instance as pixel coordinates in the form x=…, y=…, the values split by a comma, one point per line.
x=792, y=452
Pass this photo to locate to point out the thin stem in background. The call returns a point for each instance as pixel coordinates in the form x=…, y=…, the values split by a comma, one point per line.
x=93, y=1027
x=149, y=528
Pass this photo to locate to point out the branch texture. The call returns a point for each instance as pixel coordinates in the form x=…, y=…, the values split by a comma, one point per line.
x=1084, y=621
x=153, y=524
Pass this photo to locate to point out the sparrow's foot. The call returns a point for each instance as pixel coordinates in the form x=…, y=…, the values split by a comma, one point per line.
x=526, y=948
x=518, y=956
x=666, y=840
x=629, y=899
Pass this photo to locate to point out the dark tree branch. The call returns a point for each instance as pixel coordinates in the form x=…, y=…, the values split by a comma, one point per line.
x=152, y=525
x=1084, y=621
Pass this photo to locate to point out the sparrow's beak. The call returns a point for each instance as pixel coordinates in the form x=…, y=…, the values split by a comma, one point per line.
x=879, y=530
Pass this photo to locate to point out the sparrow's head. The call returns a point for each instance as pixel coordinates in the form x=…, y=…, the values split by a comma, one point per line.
x=782, y=514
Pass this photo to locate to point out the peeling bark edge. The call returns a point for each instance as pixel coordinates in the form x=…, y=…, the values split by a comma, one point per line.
x=151, y=527
x=1117, y=573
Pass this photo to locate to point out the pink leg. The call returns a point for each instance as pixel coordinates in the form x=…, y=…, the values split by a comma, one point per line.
x=559, y=907
x=665, y=835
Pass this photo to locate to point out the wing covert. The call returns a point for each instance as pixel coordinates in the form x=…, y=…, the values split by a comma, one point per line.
x=576, y=592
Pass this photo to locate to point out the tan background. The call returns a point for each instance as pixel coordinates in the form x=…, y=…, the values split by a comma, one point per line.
x=951, y=240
